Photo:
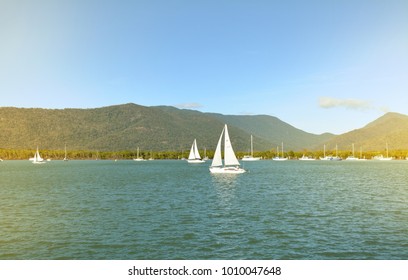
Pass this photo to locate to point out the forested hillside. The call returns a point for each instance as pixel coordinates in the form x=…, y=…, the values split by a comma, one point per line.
x=128, y=126
x=164, y=128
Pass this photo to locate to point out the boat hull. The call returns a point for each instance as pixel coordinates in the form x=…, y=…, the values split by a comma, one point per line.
x=227, y=170
x=251, y=158
x=279, y=159
x=195, y=161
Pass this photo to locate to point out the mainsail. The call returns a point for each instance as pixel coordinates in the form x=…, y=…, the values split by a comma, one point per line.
x=217, y=160
x=194, y=154
x=230, y=158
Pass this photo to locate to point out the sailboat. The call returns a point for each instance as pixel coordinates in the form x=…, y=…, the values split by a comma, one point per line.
x=251, y=157
x=278, y=158
x=352, y=157
x=205, y=154
x=231, y=163
x=324, y=154
x=306, y=158
x=194, y=156
x=137, y=157
x=381, y=157
x=65, y=157
x=37, y=159
x=336, y=158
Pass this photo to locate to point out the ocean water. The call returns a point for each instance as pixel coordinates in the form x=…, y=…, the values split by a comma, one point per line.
x=172, y=210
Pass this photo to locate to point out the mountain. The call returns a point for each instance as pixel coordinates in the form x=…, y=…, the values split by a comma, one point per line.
x=159, y=128
x=391, y=128
x=165, y=128
x=275, y=131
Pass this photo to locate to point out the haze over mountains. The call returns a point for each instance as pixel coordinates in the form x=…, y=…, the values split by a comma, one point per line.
x=161, y=128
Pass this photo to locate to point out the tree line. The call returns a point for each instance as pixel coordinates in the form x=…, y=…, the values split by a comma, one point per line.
x=23, y=154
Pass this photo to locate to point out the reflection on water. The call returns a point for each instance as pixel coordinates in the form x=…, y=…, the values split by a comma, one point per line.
x=225, y=187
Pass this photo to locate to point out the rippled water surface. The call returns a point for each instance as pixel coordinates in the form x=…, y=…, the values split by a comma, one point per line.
x=173, y=210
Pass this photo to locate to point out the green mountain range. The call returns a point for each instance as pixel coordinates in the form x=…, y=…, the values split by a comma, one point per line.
x=391, y=129
x=165, y=128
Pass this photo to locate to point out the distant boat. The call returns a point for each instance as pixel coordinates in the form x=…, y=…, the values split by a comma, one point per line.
x=381, y=157
x=324, y=154
x=194, y=156
x=37, y=159
x=151, y=156
x=332, y=158
x=251, y=157
x=137, y=156
x=352, y=157
x=205, y=154
x=306, y=158
x=65, y=157
x=277, y=158
x=231, y=163
x=336, y=158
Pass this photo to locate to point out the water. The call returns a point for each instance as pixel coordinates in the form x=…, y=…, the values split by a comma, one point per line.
x=173, y=210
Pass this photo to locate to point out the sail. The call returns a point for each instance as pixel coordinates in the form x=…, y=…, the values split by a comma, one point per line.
x=194, y=154
x=230, y=158
x=217, y=160
x=39, y=158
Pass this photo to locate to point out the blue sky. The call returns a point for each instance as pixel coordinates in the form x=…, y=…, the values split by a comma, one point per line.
x=322, y=66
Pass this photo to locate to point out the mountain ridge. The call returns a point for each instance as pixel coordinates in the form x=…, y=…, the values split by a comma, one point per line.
x=160, y=128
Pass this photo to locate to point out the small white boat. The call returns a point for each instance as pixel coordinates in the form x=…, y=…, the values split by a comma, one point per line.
x=137, y=156
x=37, y=159
x=306, y=158
x=231, y=164
x=194, y=156
x=352, y=157
x=65, y=157
x=381, y=157
x=278, y=158
x=332, y=158
x=251, y=157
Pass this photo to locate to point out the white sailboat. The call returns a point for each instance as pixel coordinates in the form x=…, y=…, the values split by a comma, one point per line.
x=352, y=157
x=205, y=154
x=137, y=156
x=306, y=158
x=332, y=158
x=65, y=157
x=336, y=158
x=251, y=157
x=231, y=163
x=194, y=156
x=381, y=157
x=37, y=159
x=278, y=158
x=324, y=154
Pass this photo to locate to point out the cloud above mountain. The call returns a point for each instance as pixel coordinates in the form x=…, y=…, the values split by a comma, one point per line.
x=192, y=105
x=354, y=104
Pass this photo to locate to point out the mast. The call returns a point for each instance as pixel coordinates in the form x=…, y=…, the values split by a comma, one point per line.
x=282, y=150
x=252, y=148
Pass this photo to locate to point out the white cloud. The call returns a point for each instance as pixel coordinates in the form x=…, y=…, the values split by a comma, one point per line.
x=192, y=105
x=355, y=104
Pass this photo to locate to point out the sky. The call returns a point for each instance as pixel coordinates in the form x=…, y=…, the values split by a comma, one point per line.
x=321, y=66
